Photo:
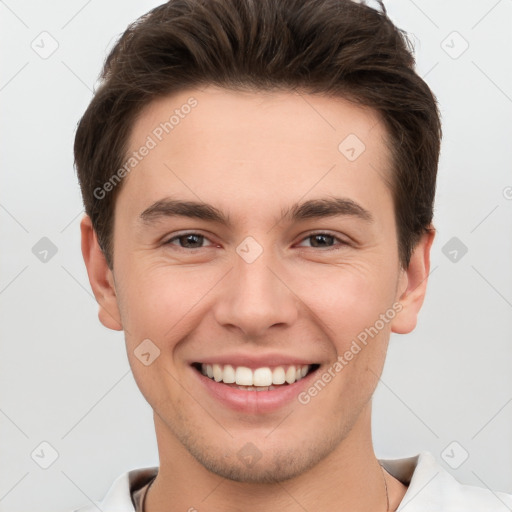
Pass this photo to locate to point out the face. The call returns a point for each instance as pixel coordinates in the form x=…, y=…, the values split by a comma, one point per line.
x=255, y=242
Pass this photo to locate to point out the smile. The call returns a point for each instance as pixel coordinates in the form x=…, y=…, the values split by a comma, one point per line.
x=258, y=379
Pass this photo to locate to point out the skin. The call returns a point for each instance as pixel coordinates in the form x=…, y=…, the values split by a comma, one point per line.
x=252, y=155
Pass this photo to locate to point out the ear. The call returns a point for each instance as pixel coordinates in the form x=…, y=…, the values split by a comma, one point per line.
x=413, y=285
x=100, y=277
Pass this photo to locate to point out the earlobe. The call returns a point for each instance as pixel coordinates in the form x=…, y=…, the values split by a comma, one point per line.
x=100, y=277
x=413, y=285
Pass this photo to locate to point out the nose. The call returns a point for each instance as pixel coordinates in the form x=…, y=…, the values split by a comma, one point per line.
x=256, y=296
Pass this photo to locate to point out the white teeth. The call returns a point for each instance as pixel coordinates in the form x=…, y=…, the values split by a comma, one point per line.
x=290, y=375
x=243, y=376
x=217, y=372
x=228, y=376
x=278, y=375
x=252, y=388
x=260, y=379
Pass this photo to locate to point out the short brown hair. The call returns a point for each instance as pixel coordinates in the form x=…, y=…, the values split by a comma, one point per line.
x=334, y=47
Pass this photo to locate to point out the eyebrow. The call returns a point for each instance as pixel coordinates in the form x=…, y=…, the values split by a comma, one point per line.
x=311, y=209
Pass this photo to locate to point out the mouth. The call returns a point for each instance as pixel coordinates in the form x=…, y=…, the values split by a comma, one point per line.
x=265, y=378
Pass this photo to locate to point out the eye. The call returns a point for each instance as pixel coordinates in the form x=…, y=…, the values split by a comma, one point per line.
x=196, y=241
x=188, y=241
x=320, y=240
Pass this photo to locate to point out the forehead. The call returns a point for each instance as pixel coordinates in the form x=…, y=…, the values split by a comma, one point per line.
x=254, y=146
x=257, y=117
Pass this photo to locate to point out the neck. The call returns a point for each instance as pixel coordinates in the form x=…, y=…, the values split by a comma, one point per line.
x=348, y=479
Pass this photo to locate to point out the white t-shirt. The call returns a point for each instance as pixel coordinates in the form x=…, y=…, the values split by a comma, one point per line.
x=430, y=489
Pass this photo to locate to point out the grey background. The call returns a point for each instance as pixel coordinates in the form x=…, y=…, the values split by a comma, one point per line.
x=65, y=379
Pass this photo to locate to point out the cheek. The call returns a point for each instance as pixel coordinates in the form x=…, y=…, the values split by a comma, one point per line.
x=346, y=298
x=161, y=302
x=158, y=310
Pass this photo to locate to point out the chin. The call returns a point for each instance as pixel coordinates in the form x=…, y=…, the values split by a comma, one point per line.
x=251, y=465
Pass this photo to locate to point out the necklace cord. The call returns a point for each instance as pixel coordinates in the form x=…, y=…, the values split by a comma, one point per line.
x=386, y=487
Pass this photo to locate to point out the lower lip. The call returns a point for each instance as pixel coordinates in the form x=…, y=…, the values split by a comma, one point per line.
x=254, y=402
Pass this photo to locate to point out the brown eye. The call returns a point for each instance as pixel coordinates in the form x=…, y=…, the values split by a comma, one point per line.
x=319, y=240
x=322, y=240
x=187, y=241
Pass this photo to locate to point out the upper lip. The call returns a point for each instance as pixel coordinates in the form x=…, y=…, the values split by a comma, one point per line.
x=255, y=361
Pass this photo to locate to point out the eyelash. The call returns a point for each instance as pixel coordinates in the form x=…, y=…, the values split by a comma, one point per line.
x=311, y=235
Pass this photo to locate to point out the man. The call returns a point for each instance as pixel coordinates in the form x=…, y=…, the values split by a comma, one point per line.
x=259, y=180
